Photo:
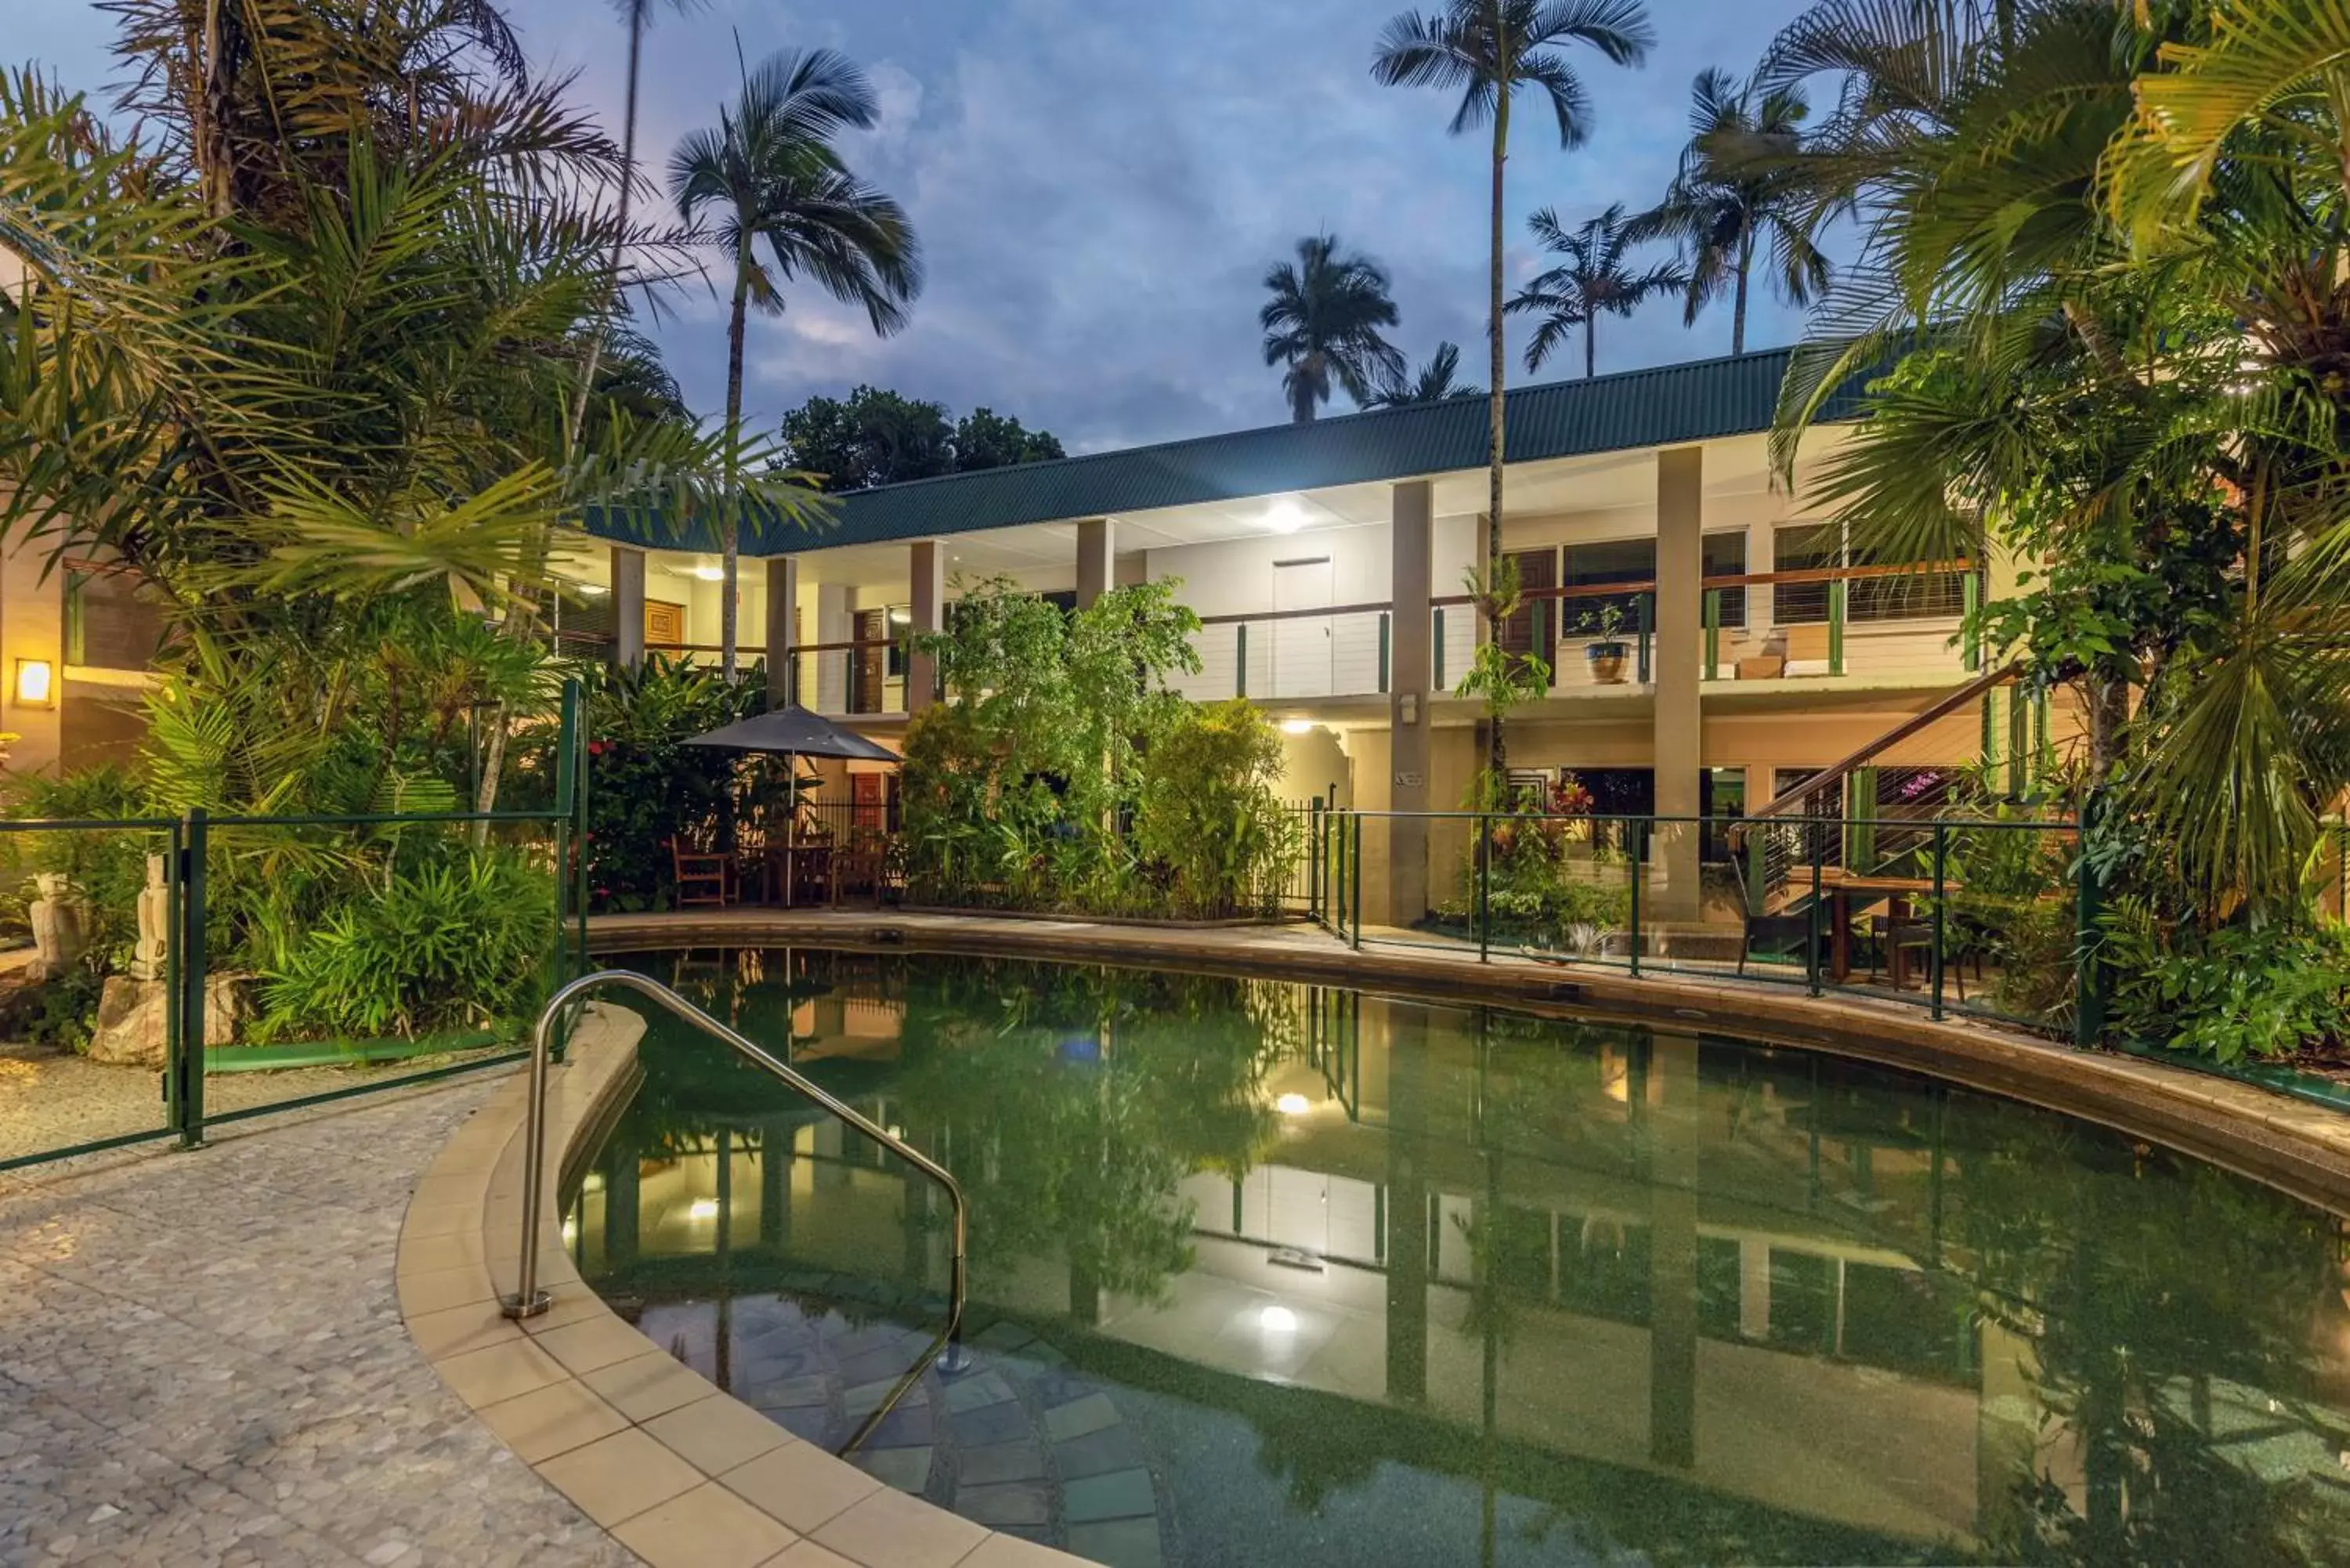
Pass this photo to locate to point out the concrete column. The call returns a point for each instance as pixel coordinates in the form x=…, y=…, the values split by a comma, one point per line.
x=783, y=598
x=628, y=607
x=1680, y=663
x=835, y=622
x=1097, y=558
x=1412, y=673
x=1405, y=1025
x=929, y=599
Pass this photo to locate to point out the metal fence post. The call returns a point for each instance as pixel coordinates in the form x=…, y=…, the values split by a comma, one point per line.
x=579, y=854
x=1354, y=862
x=1812, y=930
x=192, y=984
x=1634, y=843
x=2089, y=975
x=1484, y=888
x=1314, y=859
x=175, y=1084
x=1942, y=864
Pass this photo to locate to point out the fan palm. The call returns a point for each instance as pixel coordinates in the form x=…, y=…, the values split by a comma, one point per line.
x=1738, y=191
x=1594, y=280
x=1434, y=383
x=768, y=176
x=1485, y=50
x=1323, y=322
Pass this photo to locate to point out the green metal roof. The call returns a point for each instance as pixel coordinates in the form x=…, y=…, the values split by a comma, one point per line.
x=1669, y=404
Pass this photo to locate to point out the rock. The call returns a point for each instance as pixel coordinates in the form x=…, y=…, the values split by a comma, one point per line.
x=133, y=1023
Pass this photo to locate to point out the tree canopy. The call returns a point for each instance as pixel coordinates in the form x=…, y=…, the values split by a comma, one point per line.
x=878, y=437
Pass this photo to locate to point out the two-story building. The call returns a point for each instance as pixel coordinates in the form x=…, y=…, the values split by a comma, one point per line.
x=1328, y=562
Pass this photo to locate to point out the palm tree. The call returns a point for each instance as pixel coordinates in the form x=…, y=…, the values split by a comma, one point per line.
x=1737, y=190
x=1434, y=383
x=1594, y=281
x=768, y=172
x=1323, y=322
x=637, y=15
x=1485, y=50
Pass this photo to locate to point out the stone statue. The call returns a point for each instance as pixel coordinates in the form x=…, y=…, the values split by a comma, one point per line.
x=148, y=958
x=57, y=936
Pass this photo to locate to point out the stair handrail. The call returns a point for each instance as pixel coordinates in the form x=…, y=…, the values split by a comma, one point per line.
x=1940, y=708
x=529, y=1301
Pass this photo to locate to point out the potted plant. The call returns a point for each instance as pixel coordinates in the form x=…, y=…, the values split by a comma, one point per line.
x=1607, y=652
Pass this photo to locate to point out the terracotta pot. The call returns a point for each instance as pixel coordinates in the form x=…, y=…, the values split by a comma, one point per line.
x=1606, y=660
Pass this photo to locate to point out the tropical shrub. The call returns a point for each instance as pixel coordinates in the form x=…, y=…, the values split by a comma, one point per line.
x=459, y=944
x=1208, y=827
x=2234, y=991
x=646, y=785
x=1021, y=787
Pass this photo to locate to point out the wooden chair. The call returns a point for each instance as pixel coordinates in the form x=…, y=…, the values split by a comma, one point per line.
x=1912, y=935
x=703, y=876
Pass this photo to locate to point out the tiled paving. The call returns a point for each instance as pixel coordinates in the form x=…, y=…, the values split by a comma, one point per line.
x=203, y=1363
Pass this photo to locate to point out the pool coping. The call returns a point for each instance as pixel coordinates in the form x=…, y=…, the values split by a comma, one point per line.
x=2288, y=1143
x=678, y=1472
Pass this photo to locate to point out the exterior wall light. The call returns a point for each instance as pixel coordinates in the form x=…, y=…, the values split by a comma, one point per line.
x=37, y=684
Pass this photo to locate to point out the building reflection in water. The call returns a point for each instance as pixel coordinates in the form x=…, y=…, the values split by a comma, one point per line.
x=1847, y=1295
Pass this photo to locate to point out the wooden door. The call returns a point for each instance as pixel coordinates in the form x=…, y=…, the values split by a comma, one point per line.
x=869, y=666
x=664, y=625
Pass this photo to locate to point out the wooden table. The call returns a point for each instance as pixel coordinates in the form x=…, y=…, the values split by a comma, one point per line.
x=1845, y=892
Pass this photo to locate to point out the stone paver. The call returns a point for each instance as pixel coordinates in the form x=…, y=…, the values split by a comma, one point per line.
x=203, y=1363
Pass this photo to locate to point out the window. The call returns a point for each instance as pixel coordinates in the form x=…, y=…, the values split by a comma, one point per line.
x=1815, y=546
x=110, y=622
x=1725, y=556
x=1595, y=565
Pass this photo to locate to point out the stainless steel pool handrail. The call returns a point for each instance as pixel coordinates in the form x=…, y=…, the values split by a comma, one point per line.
x=529, y=1301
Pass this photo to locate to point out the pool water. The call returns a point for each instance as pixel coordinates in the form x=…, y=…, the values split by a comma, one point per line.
x=1268, y=1273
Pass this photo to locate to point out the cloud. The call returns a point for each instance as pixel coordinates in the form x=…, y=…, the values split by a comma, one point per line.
x=1099, y=188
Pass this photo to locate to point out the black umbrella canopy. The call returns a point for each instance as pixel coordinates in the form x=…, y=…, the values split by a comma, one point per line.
x=795, y=731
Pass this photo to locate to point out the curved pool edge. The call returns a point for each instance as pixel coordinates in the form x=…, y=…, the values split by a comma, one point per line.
x=680, y=1474
x=2299, y=1148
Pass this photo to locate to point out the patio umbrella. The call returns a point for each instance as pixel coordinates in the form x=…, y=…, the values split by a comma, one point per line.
x=794, y=731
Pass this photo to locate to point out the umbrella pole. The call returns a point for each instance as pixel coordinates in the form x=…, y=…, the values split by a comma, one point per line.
x=791, y=826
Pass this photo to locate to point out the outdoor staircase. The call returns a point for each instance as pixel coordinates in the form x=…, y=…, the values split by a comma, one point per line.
x=1777, y=843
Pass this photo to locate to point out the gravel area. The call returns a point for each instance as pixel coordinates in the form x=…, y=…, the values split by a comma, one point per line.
x=57, y=1099
x=203, y=1362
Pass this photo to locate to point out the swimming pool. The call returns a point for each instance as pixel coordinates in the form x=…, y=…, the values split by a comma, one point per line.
x=1272, y=1273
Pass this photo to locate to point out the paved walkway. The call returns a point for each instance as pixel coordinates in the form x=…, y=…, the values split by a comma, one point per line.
x=203, y=1363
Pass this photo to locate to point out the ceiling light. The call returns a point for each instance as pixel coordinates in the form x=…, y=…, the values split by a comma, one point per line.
x=1293, y=1105
x=1285, y=517
x=709, y=574
x=1298, y=726
x=1278, y=1320
x=702, y=1208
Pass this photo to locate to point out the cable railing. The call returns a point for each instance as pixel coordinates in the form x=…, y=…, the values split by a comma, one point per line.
x=529, y=1301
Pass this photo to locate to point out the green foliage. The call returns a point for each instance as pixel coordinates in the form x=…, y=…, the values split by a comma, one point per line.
x=450, y=944
x=877, y=437
x=646, y=786
x=1206, y=821
x=1060, y=772
x=2240, y=990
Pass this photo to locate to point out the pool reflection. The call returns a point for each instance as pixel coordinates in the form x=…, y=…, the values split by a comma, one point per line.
x=1622, y=1289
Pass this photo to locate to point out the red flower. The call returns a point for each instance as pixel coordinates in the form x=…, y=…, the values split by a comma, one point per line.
x=595, y=748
